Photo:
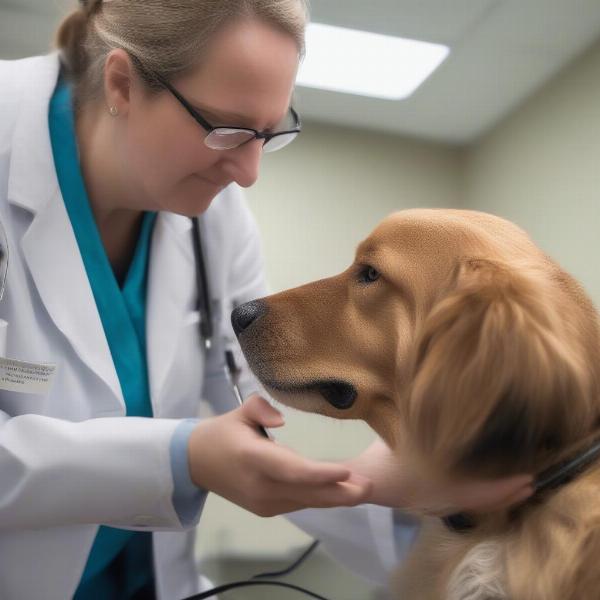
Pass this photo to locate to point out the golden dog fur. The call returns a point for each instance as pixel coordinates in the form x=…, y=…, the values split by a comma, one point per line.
x=471, y=353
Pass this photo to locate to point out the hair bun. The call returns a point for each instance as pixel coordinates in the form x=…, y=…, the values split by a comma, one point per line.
x=70, y=39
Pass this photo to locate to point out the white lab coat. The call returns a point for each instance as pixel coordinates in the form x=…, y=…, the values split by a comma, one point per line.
x=70, y=459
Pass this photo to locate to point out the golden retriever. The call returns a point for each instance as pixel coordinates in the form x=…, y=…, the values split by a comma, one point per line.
x=472, y=353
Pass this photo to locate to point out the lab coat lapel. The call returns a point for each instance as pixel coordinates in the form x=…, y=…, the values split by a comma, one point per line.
x=49, y=246
x=171, y=298
x=55, y=264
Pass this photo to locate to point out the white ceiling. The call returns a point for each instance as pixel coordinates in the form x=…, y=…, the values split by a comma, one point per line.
x=502, y=51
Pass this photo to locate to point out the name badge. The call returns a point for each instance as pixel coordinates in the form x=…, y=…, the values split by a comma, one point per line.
x=26, y=377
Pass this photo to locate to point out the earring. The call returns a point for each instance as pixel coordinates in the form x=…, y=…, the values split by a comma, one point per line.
x=114, y=111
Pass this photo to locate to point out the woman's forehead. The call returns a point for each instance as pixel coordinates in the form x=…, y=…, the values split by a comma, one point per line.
x=246, y=72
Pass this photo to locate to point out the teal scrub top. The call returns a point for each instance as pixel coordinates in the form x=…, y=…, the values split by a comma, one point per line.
x=120, y=562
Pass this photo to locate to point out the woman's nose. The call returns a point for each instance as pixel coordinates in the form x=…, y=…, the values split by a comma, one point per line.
x=243, y=163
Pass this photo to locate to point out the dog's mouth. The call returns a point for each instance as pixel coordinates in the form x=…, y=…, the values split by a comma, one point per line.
x=340, y=394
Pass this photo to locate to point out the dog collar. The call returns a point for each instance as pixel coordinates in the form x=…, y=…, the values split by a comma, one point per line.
x=551, y=478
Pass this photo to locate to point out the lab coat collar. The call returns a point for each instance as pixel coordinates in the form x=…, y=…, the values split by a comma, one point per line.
x=32, y=181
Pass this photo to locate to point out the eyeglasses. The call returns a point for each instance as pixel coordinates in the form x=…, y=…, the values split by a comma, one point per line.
x=227, y=138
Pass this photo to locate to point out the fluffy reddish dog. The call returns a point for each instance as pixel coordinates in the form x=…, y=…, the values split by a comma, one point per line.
x=471, y=353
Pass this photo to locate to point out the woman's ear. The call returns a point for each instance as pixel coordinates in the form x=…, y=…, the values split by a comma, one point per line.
x=118, y=78
x=498, y=374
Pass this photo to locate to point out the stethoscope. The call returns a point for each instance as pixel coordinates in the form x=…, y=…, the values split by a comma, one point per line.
x=203, y=297
x=206, y=325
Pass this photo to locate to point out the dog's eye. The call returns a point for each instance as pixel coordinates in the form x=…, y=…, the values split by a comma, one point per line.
x=368, y=274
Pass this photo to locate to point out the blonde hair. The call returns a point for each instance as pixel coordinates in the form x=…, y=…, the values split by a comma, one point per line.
x=166, y=36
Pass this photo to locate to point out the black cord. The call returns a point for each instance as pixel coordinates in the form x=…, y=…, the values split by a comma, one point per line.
x=203, y=300
x=248, y=582
x=237, y=584
x=558, y=475
x=293, y=566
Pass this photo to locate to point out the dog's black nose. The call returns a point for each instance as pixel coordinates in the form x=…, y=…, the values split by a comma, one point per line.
x=247, y=313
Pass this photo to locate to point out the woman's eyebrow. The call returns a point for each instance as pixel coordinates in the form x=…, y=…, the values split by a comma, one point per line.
x=219, y=114
x=229, y=118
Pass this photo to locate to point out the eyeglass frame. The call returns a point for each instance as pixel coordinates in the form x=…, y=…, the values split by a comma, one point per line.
x=258, y=135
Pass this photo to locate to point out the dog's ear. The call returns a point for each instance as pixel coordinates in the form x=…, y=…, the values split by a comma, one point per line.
x=499, y=373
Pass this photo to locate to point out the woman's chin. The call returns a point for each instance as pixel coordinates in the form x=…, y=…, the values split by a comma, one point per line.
x=192, y=204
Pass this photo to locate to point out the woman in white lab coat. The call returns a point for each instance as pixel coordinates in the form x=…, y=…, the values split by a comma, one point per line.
x=104, y=154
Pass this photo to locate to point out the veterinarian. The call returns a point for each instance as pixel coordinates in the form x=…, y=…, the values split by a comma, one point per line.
x=151, y=113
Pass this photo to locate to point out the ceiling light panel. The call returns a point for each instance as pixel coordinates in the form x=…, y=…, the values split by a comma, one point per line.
x=366, y=64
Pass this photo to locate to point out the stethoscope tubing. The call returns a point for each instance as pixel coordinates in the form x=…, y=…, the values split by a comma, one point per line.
x=203, y=300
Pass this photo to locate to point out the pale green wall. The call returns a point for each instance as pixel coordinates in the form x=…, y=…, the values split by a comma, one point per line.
x=541, y=168
x=316, y=199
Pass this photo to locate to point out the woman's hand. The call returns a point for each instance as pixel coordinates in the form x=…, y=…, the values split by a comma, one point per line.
x=228, y=456
x=395, y=485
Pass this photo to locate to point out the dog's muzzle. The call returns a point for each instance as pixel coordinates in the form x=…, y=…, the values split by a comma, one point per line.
x=340, y=394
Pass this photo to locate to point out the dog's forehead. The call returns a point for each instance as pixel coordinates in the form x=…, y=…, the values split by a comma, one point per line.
x=456, y=231
x=410, y=232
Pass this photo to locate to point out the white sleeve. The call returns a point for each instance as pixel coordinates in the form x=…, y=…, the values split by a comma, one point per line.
x=114, y=471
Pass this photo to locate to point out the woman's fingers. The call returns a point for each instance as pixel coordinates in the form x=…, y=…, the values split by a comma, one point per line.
x=229, y=458
x=517, y=497
x=345, y=493
x=484, y=496
x=396, y=484
x=281, y=464
x=256, y=410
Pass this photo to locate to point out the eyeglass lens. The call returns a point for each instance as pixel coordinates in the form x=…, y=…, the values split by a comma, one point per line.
x=224, y=138
x=279, y=141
